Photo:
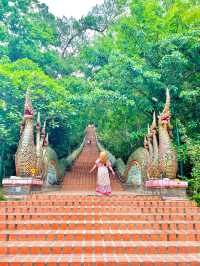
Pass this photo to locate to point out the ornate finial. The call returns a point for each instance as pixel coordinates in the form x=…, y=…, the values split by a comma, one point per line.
x=38, y=124
x=38, y=118
x=46, y=141
x=28, y=108
x=154, y=125
x=44, y=130
x=164, y=117
x=154, y=119
x=148, y=129
x=146, y=145
x=167, y=104
x=149, y=134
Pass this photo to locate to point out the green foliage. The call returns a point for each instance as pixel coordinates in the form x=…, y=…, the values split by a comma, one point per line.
x=28, y=30
x=196, y=197
x=194, y=155
x=2, y=198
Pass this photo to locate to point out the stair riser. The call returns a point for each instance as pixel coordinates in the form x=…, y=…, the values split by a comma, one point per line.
x=97, y=203
x=192, y=211
x=103, y=217
x=100, y=262
x=90, y=196
x=106, y=237
x=104, y=226
x=45, y=250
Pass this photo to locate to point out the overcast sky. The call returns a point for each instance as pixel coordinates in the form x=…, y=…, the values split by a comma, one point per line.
x=70, y=8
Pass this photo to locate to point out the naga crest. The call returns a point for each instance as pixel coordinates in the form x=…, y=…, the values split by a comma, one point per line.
x=28, y=108
x=164, y=118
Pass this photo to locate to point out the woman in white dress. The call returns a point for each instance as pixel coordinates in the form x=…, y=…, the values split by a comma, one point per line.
x=103, y=180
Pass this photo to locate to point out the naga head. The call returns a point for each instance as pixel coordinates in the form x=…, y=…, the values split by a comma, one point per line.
x=28, y=108
x=164, y=117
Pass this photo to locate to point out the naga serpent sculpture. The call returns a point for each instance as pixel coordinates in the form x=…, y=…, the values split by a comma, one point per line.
x=158, y=157
x=167, y=152
x=30, y=159
x=25, y=157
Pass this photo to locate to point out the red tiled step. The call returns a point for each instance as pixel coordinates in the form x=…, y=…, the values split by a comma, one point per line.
x=98, y=247
x=119, y=235
x=92, y=202
x=77, y=196
x=103, y=216
x=113, y=225
x=97, y=209
x=150, y=260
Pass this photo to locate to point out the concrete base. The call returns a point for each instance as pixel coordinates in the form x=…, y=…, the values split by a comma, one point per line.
x=21, y=186
x=168, y=192
x=166, y=187
x=163, y=188
x=139, y=190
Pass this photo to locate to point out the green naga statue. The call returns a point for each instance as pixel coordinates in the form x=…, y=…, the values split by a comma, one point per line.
x=167, y=153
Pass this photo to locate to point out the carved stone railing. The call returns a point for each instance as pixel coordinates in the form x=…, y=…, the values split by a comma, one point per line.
x=120, y=168
x=66, y=163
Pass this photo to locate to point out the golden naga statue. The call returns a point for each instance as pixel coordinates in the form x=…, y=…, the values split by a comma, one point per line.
x=30, y=159
x=167, y=153
x=152, y=139
x=162, y=154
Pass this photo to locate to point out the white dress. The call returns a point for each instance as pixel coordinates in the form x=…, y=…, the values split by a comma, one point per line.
x=103, y=180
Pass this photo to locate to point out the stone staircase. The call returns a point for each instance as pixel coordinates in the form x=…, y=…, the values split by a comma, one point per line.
x=75, y=226
x=79, y=179
x=75, y=229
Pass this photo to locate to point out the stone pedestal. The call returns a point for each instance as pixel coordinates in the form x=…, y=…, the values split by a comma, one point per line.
x=167, y=187
x=21, y=186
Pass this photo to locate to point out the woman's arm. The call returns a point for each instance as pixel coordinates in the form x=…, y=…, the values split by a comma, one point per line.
x=111, y=169
x=93, y=168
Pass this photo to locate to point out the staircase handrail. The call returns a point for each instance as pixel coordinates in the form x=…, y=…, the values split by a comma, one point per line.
x=68, y=161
